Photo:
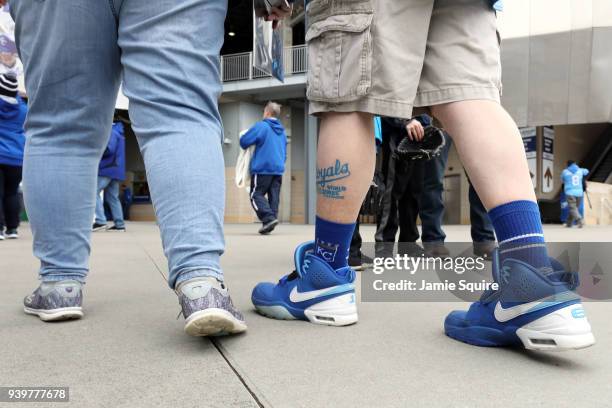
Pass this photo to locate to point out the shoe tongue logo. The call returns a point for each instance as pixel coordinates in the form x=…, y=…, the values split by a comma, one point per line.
x=69, y=289
x=327, y=251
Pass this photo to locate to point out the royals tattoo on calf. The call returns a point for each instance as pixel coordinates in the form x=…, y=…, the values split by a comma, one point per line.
x=333, y=174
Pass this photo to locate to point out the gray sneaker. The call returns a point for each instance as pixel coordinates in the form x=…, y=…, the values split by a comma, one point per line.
x=55, y=301
x=208, y=308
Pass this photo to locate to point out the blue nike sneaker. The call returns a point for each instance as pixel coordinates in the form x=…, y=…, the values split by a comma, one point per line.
x=313, y=292
x=540, y=312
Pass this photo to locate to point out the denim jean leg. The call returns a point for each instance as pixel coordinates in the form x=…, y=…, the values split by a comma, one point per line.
x=432, y=200
x=72, y=73
x=103, y=182
x=111, y=197
x=482, y=228
x=170, y=57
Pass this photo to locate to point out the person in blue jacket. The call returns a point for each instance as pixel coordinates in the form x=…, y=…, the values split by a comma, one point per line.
x=267, y=165
x=12, y=141
x=572, y=178
x=110, y=175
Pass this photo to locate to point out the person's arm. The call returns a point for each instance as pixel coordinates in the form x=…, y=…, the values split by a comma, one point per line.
x=251, y=137
x=585, y=172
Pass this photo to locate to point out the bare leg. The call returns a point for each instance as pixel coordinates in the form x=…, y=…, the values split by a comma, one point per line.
x=492, y=152
x=490, y=148
x=346, y=142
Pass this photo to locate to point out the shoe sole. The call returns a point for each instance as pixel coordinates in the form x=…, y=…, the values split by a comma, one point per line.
x=339, y=311
x=66, y=313
x=11, y=237
x=213, y=322
x=99, y=229
x=557, y=331
x=269, y=228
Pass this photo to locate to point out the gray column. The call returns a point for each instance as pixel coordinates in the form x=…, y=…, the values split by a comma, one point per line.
x=311, y=130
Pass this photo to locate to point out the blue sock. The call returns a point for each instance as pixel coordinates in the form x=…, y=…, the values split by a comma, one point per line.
x=333, y=241
x=519, y=231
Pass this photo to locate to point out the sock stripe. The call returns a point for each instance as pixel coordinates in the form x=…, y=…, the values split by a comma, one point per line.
x=521, y=237
x=505, y=251
x=518, y=228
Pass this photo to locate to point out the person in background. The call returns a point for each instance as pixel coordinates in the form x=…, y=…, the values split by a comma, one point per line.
x=400, y=202
x=9, y=63
x=110, y=175
x=13, y=112
x=572, y=178
x=267, y=165
x=431, y=209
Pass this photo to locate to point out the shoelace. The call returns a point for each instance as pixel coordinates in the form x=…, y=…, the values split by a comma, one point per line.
x=283, y=281
x=179, y=294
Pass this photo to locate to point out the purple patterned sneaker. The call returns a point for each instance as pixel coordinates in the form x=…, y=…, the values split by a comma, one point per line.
x=208, y=308
x=55, y=301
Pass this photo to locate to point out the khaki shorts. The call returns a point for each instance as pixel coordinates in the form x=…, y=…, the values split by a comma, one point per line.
x=386, y=57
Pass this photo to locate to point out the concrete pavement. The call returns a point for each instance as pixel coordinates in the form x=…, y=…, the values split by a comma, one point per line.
x=130, y=351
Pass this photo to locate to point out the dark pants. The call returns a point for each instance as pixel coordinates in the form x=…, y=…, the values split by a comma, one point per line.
x=574, y=203
x=265, y=195
x=482, y=229
x=400, y=203
x=432, y=198
x=432, y=203
x=10, y=177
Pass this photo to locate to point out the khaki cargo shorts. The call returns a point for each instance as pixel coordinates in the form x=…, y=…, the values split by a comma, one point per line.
x=387, y=56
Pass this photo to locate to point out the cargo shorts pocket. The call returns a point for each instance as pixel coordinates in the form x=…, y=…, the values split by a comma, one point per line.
x=339, y=50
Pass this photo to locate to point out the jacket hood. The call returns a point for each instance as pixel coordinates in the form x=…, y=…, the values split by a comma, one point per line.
x=276, y=126
x=573, y=168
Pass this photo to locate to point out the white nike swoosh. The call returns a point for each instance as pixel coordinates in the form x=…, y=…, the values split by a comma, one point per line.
x=503, y=315
x=296, y=296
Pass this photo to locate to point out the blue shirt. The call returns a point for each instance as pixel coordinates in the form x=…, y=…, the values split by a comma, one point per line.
x=12, y=134
x=112, y=164
x=270, y=141
x=378, y=130
x=572, y=180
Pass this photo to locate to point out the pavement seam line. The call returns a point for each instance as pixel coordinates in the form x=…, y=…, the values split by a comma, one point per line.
x=165, y=278
x=222, y=351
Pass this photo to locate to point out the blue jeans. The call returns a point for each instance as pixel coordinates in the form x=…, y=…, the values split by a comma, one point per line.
x=111, y=197
x=167, y=54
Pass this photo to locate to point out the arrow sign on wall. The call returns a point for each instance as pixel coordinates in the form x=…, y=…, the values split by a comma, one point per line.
x=548, y=176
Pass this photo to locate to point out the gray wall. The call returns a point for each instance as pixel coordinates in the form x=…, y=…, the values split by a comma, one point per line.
x=560, y=78
x=236, y=117
x=557, y=61
x=298, y=156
